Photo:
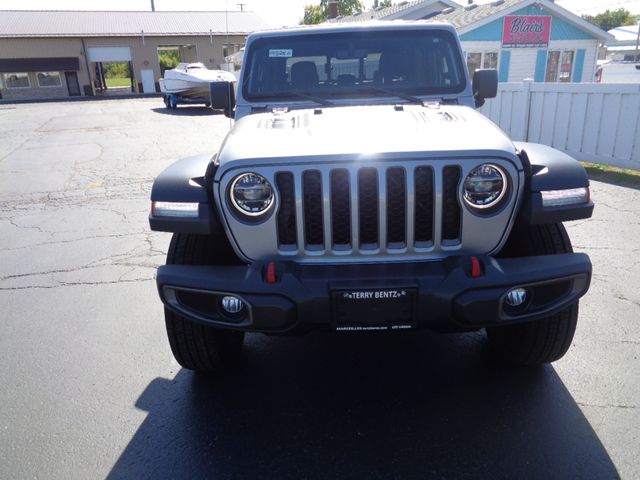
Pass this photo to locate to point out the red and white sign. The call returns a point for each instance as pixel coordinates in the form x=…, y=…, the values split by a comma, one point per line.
x=526, y=31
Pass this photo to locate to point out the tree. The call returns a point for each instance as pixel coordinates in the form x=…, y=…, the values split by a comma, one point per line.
x=313, y=14
x=612, y=19
x=168, y=59
x=319, y=13
x=385, y=3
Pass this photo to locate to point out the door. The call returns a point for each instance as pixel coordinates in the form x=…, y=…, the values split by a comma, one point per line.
x=72, y=84
x=148, y=82
x=109, y=54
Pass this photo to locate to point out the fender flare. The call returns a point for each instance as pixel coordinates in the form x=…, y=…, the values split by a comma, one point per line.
x=550, y=169
x=185, y=181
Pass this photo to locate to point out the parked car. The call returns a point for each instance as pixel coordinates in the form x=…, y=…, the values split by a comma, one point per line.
x=351, y=198
x=618, y=72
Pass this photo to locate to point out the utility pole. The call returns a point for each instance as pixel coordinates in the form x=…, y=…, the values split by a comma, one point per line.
x=637, y=57
x=241, y=5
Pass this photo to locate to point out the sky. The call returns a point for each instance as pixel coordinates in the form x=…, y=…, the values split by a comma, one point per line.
x=275, y=12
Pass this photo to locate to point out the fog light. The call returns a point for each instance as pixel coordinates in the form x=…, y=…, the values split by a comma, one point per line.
x=516, y=297
x=231, y=304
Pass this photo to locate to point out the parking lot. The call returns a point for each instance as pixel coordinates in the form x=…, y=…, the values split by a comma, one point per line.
x=90, y=388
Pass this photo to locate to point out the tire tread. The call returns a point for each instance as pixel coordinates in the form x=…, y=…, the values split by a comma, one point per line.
x=548, y=339
x=195, y=346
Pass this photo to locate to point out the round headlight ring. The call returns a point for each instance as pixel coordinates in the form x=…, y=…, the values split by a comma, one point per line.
x=494, y=199
x=251, y=194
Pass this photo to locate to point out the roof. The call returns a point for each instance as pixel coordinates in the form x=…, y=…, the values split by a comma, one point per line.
x=39, y=23
x=388, y=13
x=323, y=28
x=473, y=16
x=468, y=15
x=627, y=35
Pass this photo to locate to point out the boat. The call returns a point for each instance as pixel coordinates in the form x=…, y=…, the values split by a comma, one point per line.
x=191, y=80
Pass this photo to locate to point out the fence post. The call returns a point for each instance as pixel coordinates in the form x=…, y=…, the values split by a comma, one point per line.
x=521, y=116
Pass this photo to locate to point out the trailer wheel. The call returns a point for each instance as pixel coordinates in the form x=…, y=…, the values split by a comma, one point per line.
x=173, y=102
x=165, y=99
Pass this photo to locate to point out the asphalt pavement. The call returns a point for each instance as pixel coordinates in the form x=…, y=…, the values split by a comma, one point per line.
x=90, y=388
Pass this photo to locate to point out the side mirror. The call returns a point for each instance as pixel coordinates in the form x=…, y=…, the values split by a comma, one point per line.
x=223, y=97
x=485, y=85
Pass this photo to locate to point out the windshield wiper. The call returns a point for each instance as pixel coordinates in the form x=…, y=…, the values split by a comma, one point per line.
x=306, y=96
x=394, y=93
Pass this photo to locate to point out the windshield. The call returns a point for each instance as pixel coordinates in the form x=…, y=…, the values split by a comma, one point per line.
x=352, y=64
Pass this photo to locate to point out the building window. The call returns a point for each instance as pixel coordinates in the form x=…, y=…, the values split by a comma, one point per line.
x=474, y=62
x=49, y=79
x=477, y=60
x=560, y=66
x=490, y=60
x=230, y=48
x=17, y=80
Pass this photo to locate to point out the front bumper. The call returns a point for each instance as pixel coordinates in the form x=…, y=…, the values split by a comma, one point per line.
x=447, y=296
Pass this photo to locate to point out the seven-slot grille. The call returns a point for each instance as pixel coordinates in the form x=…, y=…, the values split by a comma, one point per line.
x=369, y=209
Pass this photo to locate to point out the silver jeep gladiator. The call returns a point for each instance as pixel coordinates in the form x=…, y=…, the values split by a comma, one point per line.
x=359, y=190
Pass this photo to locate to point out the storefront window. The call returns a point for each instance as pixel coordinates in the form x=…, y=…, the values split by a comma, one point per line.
x=17, y=80
x=490, y=60
x=566, y=66
x=49, y=79
x=553, y=67
x=474, y=62
x=560, y=66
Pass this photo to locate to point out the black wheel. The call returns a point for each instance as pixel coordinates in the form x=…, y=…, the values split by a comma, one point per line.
x=195, y=346
x=546, y=340
x=166, y=101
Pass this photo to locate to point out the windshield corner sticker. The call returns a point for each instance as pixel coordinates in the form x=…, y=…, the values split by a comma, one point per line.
x=280, y=53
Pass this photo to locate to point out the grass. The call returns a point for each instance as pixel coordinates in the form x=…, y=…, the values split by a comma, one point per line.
x=625, y=177
x=118, y=82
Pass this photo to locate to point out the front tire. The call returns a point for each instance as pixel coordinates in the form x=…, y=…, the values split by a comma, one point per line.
x=195, y=346
x=548, y=339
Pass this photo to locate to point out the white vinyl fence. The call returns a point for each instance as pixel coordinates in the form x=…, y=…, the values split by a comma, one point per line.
x=598, y=123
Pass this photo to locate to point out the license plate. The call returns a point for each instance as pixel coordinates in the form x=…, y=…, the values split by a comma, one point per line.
x=374, y=309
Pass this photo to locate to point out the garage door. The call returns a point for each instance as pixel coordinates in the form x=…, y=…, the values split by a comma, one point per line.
x=109, y=54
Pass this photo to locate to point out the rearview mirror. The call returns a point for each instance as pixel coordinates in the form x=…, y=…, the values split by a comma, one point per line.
x=485, y=85
x=223, y=97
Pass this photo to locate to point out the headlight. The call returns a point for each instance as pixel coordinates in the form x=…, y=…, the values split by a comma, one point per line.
x=251, y=194
x=485, y=186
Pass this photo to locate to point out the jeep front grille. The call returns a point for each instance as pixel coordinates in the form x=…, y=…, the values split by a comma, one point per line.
x=368, y=211
x=375, y=216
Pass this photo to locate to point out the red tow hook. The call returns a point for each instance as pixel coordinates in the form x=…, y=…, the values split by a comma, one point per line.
x=476, y=268
x=271, y=276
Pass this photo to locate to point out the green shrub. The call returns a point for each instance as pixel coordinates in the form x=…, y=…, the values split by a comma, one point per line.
x=116, y=70
x=168, y=59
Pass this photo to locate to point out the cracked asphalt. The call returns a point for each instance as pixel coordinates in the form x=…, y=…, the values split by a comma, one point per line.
x=90, y=389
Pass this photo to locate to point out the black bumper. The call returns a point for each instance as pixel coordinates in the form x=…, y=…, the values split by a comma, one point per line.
x=447, y=295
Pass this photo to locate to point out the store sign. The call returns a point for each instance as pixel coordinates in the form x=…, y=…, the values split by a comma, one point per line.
x=526, y=31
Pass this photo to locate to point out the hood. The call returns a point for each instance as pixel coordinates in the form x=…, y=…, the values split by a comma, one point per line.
x=365, y=131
